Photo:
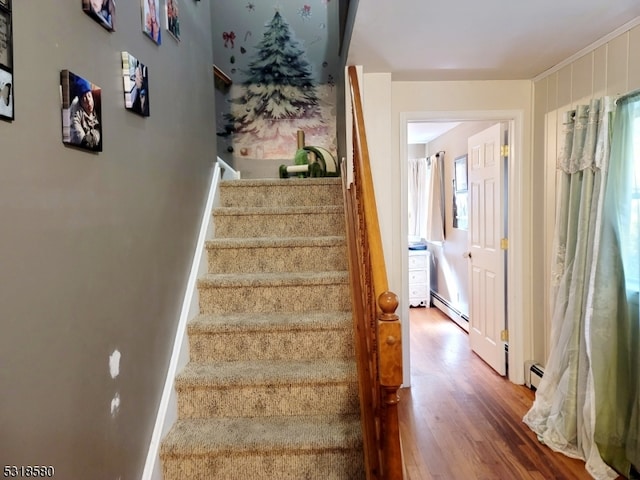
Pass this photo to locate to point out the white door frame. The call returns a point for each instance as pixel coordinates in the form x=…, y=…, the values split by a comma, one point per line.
x=517, y=318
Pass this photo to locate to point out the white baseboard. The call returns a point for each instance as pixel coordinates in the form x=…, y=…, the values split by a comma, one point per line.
x=442, y=305
x=533, y=373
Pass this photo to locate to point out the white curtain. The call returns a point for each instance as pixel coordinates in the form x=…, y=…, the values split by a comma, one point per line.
x=419, y=176
x=426, y=198
x=435, y=199
x=564, y=412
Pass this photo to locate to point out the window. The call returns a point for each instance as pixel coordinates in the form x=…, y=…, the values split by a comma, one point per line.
x=632, y=252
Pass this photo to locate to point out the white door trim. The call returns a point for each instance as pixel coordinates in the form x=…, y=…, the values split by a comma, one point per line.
x=519, y=322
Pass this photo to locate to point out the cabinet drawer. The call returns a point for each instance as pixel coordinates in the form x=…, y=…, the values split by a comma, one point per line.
x=417, y=276
x=418, y=261
x=418, y=291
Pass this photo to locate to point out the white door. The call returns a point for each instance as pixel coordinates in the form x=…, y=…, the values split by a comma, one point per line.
x=485, y=256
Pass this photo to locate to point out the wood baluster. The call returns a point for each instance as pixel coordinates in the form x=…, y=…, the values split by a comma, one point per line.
x=377, y=328
x=362, y=332
x=390, y=374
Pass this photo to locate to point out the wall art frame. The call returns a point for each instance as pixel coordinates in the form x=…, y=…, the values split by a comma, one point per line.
x=7, y=87
x=460, y=173
x=150, y=10
x=102, y=11
x=81, y=112
x=135, y=76
x=172, y=21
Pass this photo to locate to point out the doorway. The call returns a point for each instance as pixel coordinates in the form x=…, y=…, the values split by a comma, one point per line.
x=514, y=313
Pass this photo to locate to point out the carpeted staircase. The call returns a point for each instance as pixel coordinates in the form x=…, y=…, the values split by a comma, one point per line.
x=271, y=391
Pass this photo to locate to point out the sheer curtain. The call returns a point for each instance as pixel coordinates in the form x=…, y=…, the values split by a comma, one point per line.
x=435, y=201
x=588, y=402
x=426, y=201
x=563, y=413
x=419, y=177
x=613, y=320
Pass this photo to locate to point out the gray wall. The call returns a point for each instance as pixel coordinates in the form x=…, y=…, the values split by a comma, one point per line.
x=95, y=249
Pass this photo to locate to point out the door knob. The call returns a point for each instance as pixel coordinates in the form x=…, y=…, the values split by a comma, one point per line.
x=466, y=255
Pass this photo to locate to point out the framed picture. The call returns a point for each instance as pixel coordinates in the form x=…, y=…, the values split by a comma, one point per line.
x=460, y=174
x=102, y=11
x=6, y=42
x=135, y=77
x=6, y=62
x=173, y=21
x=151, y=20
x=6, y=94
x=81, y=112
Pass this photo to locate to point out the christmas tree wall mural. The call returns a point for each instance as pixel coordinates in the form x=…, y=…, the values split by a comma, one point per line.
x=279, y=97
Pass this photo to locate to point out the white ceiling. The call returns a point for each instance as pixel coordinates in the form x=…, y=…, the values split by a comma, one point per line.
x=424, y=132
x=479, y=40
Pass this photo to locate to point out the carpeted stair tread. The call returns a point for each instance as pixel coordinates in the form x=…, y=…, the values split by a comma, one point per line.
x=272, y=279
x=269, y=322
x=274, y=434
x=288, y=182
x=269, y=335
x=274, y=254
x=280, y=192
x=279, y=210
x=276, y=242
x=268, y=372
x=271, y=389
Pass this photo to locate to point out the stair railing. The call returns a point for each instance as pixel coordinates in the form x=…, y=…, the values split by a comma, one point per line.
x=377, y=328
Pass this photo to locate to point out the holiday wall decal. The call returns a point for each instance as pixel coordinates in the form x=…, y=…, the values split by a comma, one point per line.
x=279, y=97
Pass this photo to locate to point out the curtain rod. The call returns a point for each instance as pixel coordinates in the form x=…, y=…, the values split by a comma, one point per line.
x=627, y=96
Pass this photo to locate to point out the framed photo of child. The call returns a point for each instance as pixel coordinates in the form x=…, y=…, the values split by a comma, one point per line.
x=81, y=112
x=102, y=11
x=151, y=20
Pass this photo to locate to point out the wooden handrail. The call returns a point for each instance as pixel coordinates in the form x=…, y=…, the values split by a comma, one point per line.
x=377, y=328
x=362, y=162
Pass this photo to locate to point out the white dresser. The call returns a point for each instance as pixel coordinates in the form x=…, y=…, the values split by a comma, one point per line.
x=419, y=285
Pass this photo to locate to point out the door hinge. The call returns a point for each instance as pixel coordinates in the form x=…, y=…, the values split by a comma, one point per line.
x=504, y=243
x=504, y=150
x=504, y=335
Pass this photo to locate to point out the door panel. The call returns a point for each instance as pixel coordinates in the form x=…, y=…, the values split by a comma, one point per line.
x=486, y=260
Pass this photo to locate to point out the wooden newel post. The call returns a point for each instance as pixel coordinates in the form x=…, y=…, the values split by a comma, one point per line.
x=390, y=372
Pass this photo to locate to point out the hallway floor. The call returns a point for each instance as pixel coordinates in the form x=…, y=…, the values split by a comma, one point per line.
x=460, y=420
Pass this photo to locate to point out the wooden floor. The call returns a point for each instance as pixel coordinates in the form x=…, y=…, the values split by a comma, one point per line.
x=460, y=420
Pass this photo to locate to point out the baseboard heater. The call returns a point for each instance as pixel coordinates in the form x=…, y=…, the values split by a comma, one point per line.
x=533, y=375
x=450, y=311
